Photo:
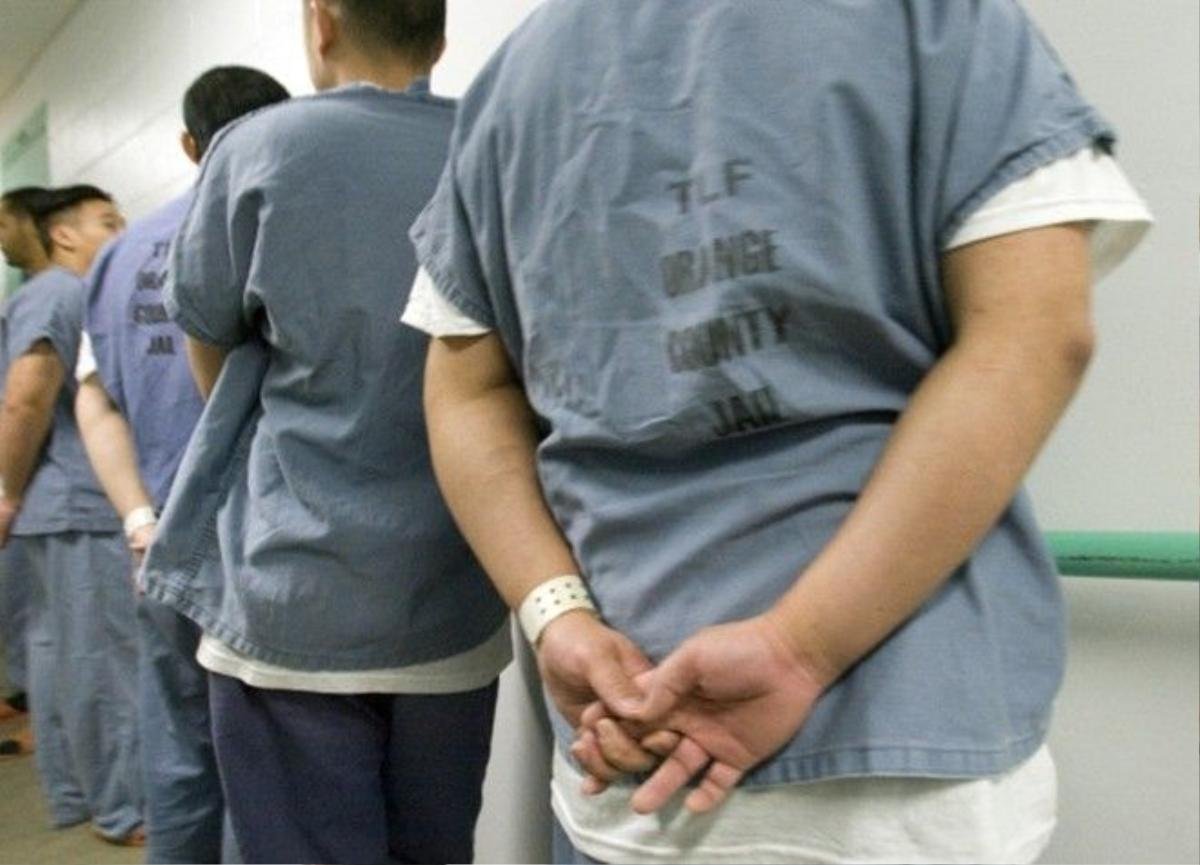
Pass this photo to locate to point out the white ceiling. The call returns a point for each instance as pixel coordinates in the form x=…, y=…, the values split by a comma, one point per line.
x=25, y=28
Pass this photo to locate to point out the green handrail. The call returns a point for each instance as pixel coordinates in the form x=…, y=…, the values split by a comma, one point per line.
x=1132, y=555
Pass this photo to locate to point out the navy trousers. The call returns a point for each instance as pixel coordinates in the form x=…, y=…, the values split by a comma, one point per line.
x=363, y=778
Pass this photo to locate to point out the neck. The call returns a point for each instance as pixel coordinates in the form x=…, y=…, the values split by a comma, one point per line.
x=69, y=260
x=395, y=75
x=36, y=263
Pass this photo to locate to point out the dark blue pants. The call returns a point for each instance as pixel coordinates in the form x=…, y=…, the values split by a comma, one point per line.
x=364, y=778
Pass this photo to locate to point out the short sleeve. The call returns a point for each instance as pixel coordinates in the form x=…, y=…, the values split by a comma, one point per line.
x=55, y=316
x=205, y=292
x=431, y=313
x=996, y=103
x=1087, y=186
x=446, y=249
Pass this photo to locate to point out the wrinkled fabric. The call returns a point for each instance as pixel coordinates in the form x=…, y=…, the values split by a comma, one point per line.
x=184, y=803
x=708, y=235
x=309, y=473
x=63, y=495
x=82, y=679
x=16, y=590
x=140, y=353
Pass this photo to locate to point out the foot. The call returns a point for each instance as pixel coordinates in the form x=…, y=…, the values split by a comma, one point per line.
x=13, y=707
x=135, y=838
x=19, y=744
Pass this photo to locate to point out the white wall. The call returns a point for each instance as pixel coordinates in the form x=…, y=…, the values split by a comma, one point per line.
x=1126, y=457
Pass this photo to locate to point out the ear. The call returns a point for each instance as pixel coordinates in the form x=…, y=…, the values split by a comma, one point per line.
x=63, y=236
x=325, y=30
x=190, y=148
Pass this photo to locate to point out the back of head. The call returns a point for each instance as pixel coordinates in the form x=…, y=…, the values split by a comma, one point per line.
x=59, y=204
x=20, y=242
x=222, y=95
x=413, y=29
x=26, y=202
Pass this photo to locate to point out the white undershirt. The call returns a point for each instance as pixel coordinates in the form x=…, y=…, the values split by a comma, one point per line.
x=85, y=366
x=1008, y=818
x=467, y=671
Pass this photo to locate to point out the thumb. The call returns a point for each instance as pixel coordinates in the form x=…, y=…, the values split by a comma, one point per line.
x=613, y=685
x=668, y=684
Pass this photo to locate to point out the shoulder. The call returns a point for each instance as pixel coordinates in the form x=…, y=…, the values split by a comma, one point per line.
x=63, y=293
x=51, y=287
x=53, y=299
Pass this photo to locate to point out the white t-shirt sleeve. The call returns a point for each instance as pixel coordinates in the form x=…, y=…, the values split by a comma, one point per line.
x=429, y=311
x=1087, y=186
x=85, y=366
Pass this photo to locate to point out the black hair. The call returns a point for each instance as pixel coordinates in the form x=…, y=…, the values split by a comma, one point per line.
x=222, y=95
x=26, y=201
x=414, y=28
x=59, y=201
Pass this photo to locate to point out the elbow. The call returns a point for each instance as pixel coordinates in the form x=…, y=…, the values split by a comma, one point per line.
x=23, y=411
x=1076, y=347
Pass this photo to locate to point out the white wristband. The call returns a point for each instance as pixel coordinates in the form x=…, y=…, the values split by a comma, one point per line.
x=139, y=518
x=549, y=601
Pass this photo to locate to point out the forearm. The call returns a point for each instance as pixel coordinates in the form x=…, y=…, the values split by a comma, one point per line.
x=483, y=454
x=483, y=444
x=949, y=470
x=23, y=431
x=108, y=441
x=206, y=362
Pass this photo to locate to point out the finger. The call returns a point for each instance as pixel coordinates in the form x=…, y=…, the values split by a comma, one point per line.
x=681, y=765
x=716, y=785
x=632, y=660
x=592, y=714
x=613, y=685
x=667, y=685
x=621, y=750
x=661, y=742
x=586, y=752
x=596, y=712
x=593, y=786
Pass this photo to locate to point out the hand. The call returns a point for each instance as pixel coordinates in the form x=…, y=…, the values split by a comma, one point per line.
x=583, y=661
x=608, y=748
x=8, y=515
x=139, y=543
x=736, y=693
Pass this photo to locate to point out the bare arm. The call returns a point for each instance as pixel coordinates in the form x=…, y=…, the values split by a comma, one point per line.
x=206, y=361
x=483, y=441
x=30, y=391
x=109, y=444
x=1021, y=310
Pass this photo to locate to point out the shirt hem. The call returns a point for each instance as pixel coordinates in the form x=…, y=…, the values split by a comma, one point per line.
x=354, y=684
x=162, y=589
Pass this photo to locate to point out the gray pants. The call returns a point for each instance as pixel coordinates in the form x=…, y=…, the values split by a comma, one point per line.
x=16, y=585
x=82, y=679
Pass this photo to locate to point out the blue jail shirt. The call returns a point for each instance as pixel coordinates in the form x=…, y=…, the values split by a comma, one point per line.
x=63, y=494
x=708, y=235
x=140, y=353
x=309, y=471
